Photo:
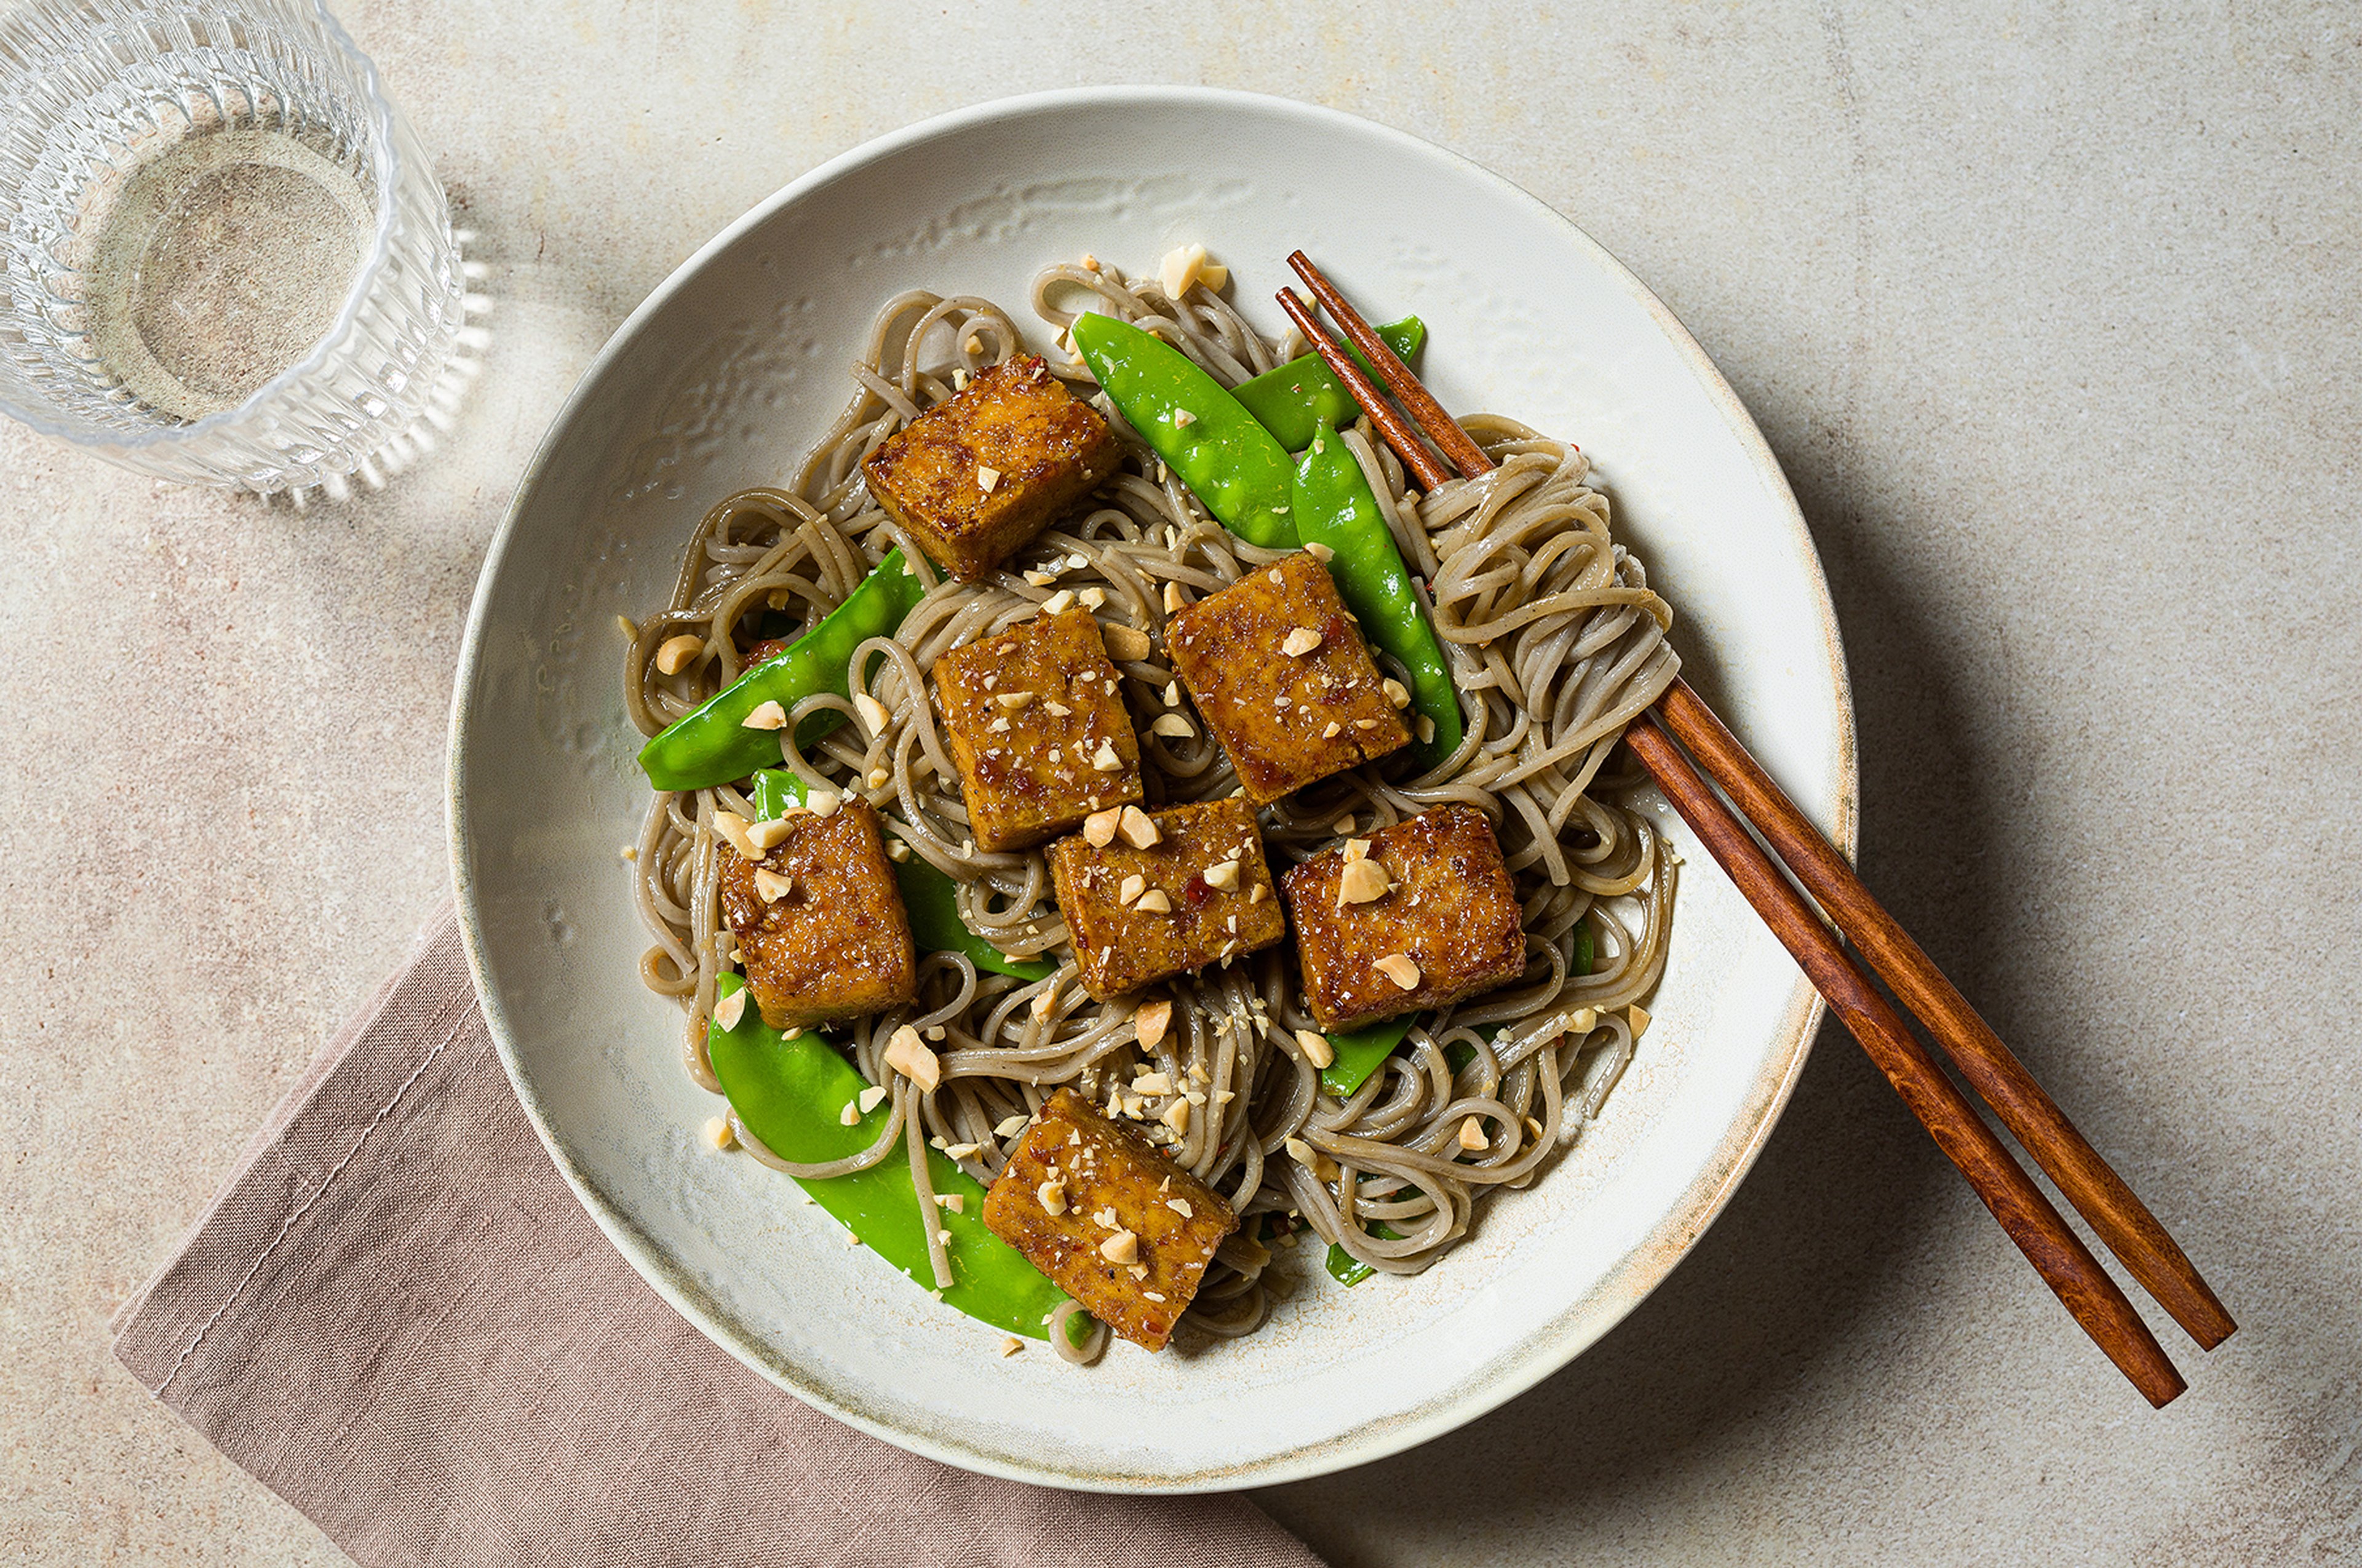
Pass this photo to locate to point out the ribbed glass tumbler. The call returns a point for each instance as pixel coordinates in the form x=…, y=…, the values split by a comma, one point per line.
x=224, y=255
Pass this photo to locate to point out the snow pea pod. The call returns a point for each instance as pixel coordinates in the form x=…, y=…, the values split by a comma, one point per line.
x=1336, y=508
x=711, y=745
x=930, y=898
x=1292, y=399
x=792, y=1094
x=1205, y=434
x=1356, y=1055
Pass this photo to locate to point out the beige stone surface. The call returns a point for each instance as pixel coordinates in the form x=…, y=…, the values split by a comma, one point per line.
x=2051, y=314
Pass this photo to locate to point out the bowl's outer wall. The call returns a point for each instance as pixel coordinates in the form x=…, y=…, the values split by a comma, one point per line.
x=727, y=373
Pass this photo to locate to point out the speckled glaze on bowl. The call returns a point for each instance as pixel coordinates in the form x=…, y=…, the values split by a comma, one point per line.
x=730, y=369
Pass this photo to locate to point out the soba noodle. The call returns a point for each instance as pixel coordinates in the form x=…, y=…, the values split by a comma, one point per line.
x=1556, y=643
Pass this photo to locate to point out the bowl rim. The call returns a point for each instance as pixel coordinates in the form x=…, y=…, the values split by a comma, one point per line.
x=1585, y=1319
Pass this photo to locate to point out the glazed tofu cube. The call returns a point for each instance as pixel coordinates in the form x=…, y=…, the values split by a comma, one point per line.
x=1038, y=729
x=1198, y=891
x=975, y=477
x=1436, y=920
x=822, y=930
x=1282, y=678
x=1113, y=1223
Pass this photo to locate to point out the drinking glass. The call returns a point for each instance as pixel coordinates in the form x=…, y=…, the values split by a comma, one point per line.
x=224, y=255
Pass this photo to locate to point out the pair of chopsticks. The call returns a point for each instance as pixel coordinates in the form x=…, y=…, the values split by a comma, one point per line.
x=2119, y=1217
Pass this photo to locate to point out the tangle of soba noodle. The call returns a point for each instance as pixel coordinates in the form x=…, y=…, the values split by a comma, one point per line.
x=1555, y=643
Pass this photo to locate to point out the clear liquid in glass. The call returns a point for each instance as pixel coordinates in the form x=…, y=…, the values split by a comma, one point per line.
x=219, y=263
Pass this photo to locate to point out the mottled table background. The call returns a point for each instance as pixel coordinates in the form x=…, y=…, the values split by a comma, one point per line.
x=2052, y=320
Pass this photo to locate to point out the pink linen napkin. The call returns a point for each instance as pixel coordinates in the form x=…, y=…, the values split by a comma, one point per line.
x=398, y=1318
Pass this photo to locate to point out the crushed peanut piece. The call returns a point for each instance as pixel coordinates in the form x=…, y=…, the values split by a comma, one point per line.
x=1320, y=553
x=1396, y=692
x=1105, y=759
x=717, y=1132
x=1010, y=1346
x=873, y=713
x=986, y=477
x=676, y=654
x=770, y=887
x=1401, y=969
x=1176, y=1116
x=867, y=1099
x=850, y=1115
x=1173, y=726
x=1222, y=876
x=1131, y=888
x=1098, y=828
x=1152, y=1020
x=1299, y=641
x=1155, y=902
x=1138, y=828
x=1052, y=1197
x=765, y=716
x=730, y=1010
x=1362, y=881
x=1129, y=644
x=908, y=1054
x=1059, y=602
x=1472, y=1134
x=733, y=827
x=1639, y=1018
x=1316, y=1047
x=1120, y=1248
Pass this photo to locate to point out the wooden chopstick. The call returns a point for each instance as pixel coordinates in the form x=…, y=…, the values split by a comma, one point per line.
x=2055, y=1252
x=2095, y=1189
x=1422, y=463
x=1426, y=413
x=2033, y=1117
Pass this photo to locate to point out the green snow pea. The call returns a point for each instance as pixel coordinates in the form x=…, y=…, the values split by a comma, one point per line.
x=1231, y=463
x=1349, y=1270
x=1335, y=507
x=929, y=897
x=792, y=1093
x=1357, y=1054
x=711, y=744
x=1293, y=400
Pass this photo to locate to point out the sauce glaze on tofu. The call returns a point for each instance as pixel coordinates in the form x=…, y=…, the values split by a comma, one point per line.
x=1447, y=910
x=1116, y=1225
x=1204, y=894
x=1282, y=678
x=1035, y=716
x=836, y=944
x=975, y=477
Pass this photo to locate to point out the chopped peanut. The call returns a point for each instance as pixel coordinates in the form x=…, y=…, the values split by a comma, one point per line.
x=908, y=1054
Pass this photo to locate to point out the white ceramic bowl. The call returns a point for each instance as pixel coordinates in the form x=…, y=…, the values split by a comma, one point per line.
x=733, y=367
